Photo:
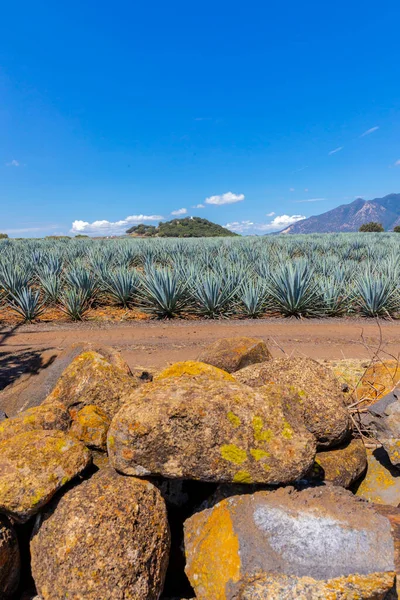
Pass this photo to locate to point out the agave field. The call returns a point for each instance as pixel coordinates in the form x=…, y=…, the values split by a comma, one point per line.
x=302, y=276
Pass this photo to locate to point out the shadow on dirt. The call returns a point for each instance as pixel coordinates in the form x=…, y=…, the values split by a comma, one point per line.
x=15, y=364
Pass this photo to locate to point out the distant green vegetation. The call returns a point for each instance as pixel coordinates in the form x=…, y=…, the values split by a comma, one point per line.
x=371, y=227
x=189, y=227
x=3, y=236
x=396, y=229
x=317, y=275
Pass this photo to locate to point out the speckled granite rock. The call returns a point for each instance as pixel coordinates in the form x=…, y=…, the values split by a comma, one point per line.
x=33, y=466
x=342, y=465
x=193, y=368
x=322, y=401
x=107, y=538
x=53, y=416
x=232, y=354
x=91, y=379
x=211, y=431
x=323, y=533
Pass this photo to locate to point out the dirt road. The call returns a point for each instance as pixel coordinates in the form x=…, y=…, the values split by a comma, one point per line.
x=155, y=343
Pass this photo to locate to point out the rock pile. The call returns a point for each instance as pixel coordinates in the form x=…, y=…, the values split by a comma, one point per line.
x=220, y=479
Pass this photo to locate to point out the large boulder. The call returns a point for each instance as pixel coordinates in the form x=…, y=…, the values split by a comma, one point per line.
x=9, y=559
x=232, y=354
x=323, y=533
x=393, y=514
x=342, y=466
x=210, y=431
x=91, y=379
x=90, y=425
x=193, y=368
x=33, y=466
x=321, y=398
x=107, y=538
x=381, y=483
x=54, y=416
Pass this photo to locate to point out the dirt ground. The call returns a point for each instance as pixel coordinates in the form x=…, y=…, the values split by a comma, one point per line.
x=153, y=344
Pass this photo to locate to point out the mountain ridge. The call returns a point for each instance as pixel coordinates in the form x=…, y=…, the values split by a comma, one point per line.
x=350, y=217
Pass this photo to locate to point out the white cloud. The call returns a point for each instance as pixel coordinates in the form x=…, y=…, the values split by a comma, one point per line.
x=198, y=206
x=291, y=189
x=109, y=227
x=271, y=214
x=336, y=150
x=13, y=163
x=179, y=211
x=397, y=163
x=311, y=200
x=280, y=222
x=369, y=131
x=306, y=189
x=227, y=198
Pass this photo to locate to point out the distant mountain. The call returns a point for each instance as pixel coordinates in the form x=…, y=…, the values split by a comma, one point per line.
x=181, y=228
x=350, y=217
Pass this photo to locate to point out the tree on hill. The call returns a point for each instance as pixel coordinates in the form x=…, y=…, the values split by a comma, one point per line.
x=188, y=227
x=372, y=226
x=3, y=236
x=396, y=229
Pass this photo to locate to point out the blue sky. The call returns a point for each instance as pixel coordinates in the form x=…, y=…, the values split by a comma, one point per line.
x=113, y=112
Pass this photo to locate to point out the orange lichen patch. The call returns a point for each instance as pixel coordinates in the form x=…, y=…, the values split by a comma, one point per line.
x=378, y=380
x=90, y=425
x=193, y=368
x=217, y=543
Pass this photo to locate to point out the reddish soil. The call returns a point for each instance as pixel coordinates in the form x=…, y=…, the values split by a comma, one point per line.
x=155, y=343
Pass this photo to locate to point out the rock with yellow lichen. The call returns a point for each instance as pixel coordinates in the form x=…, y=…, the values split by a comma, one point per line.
x=382, y=419
x=232, y=354
x=375, y=586
x=209, y=430
x=92, y=379
x=342, y=465
x=193, y=368
x=90, y=425
x=378, y=380
x=54, y=416
x=107, y=538
x=381, y=483
x=259, y=546
x=33, y=466
x=322, y=401
x=9, y=559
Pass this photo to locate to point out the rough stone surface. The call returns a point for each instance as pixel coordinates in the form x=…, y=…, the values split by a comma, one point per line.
x=91, y=379
x=33, y=466
x=107, y=538
x=376, y=586
x=381, y=483
x=90, y=425
x=9, y=559
x=378, y=380
x=53, y=416
x=323, y=532
x=210, y=431
x=324, y=411
x=232, y=354
x=393, y=514
x=383, y=421
x=342, y=465
x=192, y=368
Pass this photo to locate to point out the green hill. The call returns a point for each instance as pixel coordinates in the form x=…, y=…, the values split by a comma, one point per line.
x=181, y=228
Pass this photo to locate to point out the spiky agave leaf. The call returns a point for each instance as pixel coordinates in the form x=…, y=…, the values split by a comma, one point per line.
x=376, y=295
x=83, y=281
x=26, y=303
x=162, y=292
x=335, y=296
x=120, y=285
x=74, y=302
x=13, y=279
x=213, y=294
x=293, y=291
x=51, y=285
x=252, y=298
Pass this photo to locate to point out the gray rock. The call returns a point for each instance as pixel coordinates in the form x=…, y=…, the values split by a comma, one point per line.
x=383, y=420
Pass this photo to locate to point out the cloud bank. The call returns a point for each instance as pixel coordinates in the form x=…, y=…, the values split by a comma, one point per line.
x=278, y=223
x=109, y=227
x=227, y=198
x=179, y=211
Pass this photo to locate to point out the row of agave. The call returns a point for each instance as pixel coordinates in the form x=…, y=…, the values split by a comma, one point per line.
x=302, y=276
